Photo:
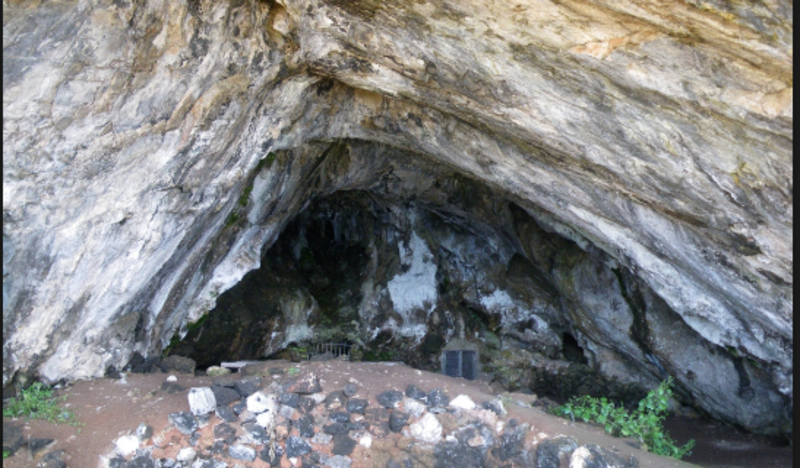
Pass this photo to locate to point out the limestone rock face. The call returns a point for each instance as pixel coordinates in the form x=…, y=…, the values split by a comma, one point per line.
x=154, y=149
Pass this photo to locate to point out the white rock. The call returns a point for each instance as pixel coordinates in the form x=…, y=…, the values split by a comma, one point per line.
x=266, y=419
x=126, y=445
x=172, y=378
x=414, y=407
x=463, y=402
x=186, y=454
x=258, y=402
x=579, y=457
x=201, y=401
x=365, y=440
x=427, y=429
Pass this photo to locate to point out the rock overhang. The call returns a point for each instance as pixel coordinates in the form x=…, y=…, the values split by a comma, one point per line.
x=669, y=155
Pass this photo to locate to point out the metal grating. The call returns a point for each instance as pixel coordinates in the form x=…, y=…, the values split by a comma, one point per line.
x=468, y=364
x=460, y=363
x=337, y=349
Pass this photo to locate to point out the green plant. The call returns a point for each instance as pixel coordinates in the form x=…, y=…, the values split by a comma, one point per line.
x=6, y=454
x=246, y=195
x=38, y=402
x=645, y=423
x=232, y=219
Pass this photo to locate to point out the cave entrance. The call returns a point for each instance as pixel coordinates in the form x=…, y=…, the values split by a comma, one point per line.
x=302, y=300
x=411, y=264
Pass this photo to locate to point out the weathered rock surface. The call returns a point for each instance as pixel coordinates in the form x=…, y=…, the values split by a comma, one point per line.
x=619, y=171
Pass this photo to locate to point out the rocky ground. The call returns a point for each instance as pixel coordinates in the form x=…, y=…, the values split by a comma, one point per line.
x=334, y=414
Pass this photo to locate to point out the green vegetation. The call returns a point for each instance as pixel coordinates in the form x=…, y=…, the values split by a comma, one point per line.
x=194, y=326
x=372, y=356
x=644, y=424
x=38, y=402
x=232, y=219
x=6, y=454
x=246, y=195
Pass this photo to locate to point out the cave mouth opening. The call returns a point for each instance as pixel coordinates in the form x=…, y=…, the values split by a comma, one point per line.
x=337, y=275
x=405, y=262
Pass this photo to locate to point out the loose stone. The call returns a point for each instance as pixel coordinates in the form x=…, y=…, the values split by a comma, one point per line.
x=141, y=461
x=350, y=389
x=397, y=420
x=242, y=452
x=125, y=445
x=356, y=405
x=390, y=398
x=304, y=425
x=54, y=459
x=224, y=381
x=289, y=399
x=306, y=385
x=225, y=413
x=247, y=386
x=357, y=425
x=296, y=446
x=437, y=398
x=305, y=404
x=201, y=400
x=340, y=416
x=496, y=406
x=186, y=454
x=463, y=402
x=179, y=364
x=335, y=400
x=256, y=433
x=335, y=428
x=412, y=391
x=258, y=402
x=225, y=432
x=427, y=429
x=414, y=407
x=216, y=371
x=338, y=461
x=225, y=395
x=551, y=452
x=321, y=438
x=184, y=421
x=271, y=458
x=239, y=407
x=343, y=444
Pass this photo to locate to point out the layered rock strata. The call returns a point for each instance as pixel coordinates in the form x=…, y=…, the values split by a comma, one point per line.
x=153, y=150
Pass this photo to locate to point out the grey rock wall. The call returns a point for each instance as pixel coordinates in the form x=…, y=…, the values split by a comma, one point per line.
x=139, y=180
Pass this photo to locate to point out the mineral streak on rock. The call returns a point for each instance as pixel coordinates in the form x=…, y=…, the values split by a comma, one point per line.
x=154, y=150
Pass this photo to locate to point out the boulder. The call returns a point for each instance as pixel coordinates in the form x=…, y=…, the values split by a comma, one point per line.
x=179, y=364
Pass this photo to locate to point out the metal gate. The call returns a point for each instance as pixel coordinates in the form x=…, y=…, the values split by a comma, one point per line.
x=337, y=349
x=460, y=363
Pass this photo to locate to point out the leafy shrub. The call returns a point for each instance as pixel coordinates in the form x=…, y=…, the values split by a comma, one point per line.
x=37, y=402
x=645, y=424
